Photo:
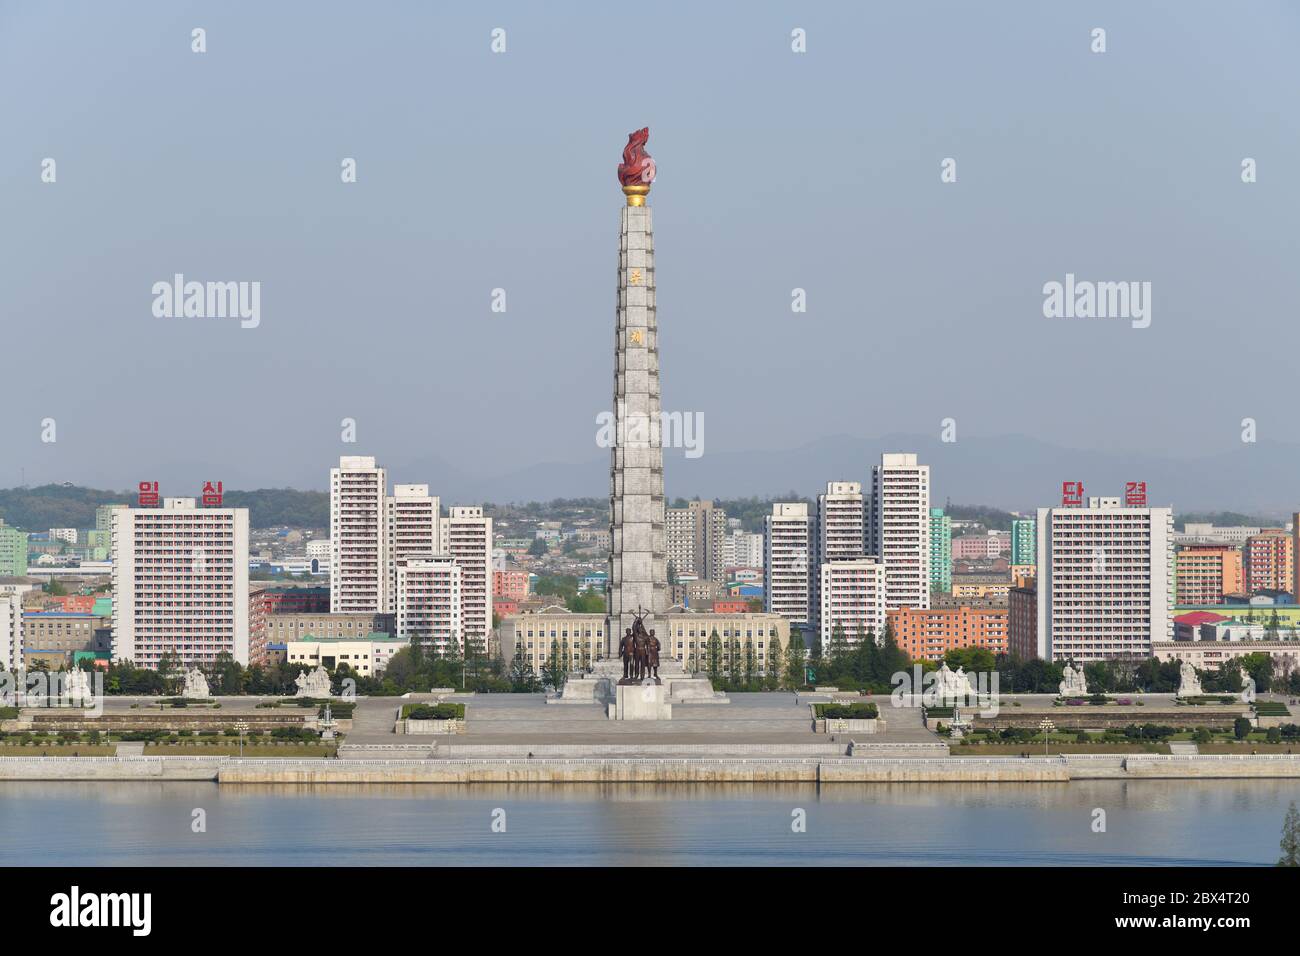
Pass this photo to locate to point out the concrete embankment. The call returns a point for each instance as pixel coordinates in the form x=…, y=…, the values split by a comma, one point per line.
x=685, y=769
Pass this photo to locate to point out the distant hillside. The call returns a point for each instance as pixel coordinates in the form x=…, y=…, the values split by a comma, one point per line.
x=71, y=506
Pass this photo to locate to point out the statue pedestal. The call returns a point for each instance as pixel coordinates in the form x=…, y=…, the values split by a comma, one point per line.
x=640, y=702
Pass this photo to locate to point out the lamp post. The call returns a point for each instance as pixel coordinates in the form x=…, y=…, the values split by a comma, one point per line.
x=1046, y=726
x=242, y=727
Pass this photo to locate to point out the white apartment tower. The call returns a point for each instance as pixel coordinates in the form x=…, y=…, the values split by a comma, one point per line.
x=787, y=541
x=841, y=531
x=467, y=539
x=11, y=630
x=429, y=609
x=412, y=519
x=359, y=572
x=743, y=549
x=900, y=529
x=852, y=594
x=180, y=583
x=1105, y=589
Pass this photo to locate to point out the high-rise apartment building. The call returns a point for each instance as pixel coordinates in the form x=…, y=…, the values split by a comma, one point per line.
x=180, y=583
x=743, y=549
x=1022, y=620
x=852, y=595
x=1024, y=541
x=788, y=562
x=467, y=539
x=900, y=528
x=840, y=534
x=696, y=540
x=429, y=609
x=1105, y=587
x=413, y=530
x=1269, y=561
x=358, y=537
x=11, y=630
x=940, y=551
x=13, y=552
x=1204, y=573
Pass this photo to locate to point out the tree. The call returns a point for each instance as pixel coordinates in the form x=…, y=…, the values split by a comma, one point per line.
x=523, y=679
x=538, y=548
x=714, y=664
x=835, y=653
x=795, y=659
x=1260, y=667
x=773, y=670
x=891, y=659
x=587, y=602
x=751, y=665
x=553, y=671
x=1290, y=837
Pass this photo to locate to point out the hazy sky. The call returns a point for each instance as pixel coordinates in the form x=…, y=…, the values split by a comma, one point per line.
x=777, y=170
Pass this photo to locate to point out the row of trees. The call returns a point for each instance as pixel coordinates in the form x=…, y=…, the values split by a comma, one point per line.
x=865, y=664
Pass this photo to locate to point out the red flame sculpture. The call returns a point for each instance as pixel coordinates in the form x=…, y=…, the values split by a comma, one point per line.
x=637, y=168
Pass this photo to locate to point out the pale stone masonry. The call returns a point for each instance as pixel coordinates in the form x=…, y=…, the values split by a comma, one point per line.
x=638, y=571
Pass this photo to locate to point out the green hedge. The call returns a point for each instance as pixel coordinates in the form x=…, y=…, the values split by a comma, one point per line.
x=433, y=711
x=847, y=711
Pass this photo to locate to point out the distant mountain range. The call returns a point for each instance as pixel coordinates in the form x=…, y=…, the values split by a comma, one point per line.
x=1010, y=472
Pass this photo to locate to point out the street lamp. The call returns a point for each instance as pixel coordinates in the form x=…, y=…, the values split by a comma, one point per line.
x=242, y=727
x=1046, y=726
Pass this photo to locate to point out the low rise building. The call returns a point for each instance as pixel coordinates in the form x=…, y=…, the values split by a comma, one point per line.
x=367, y=656
x=1211, y=655
x=282, y=628
x=929, y=633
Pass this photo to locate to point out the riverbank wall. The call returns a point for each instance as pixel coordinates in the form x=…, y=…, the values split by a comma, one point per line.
x=688, y=769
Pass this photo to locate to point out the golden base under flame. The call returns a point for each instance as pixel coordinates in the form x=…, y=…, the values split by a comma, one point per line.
x=636, y=194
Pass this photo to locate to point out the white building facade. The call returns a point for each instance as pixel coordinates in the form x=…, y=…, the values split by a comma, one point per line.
x=787, y=562
x=467, y=539
x=412, y=518
x=1105, y=587
x=358, y=537
x=429, y=610
x=900, y=529
x=180, y=583
x=852, y=594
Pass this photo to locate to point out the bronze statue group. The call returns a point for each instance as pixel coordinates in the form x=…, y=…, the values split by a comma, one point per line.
x=639, y=650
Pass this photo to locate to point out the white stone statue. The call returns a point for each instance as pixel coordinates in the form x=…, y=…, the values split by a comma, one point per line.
x=76, y=687
x=1074, y=684
x=314, y=684
x=1248, y=690
x=196, y=685
x=952, y=685
x=1189, y=685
